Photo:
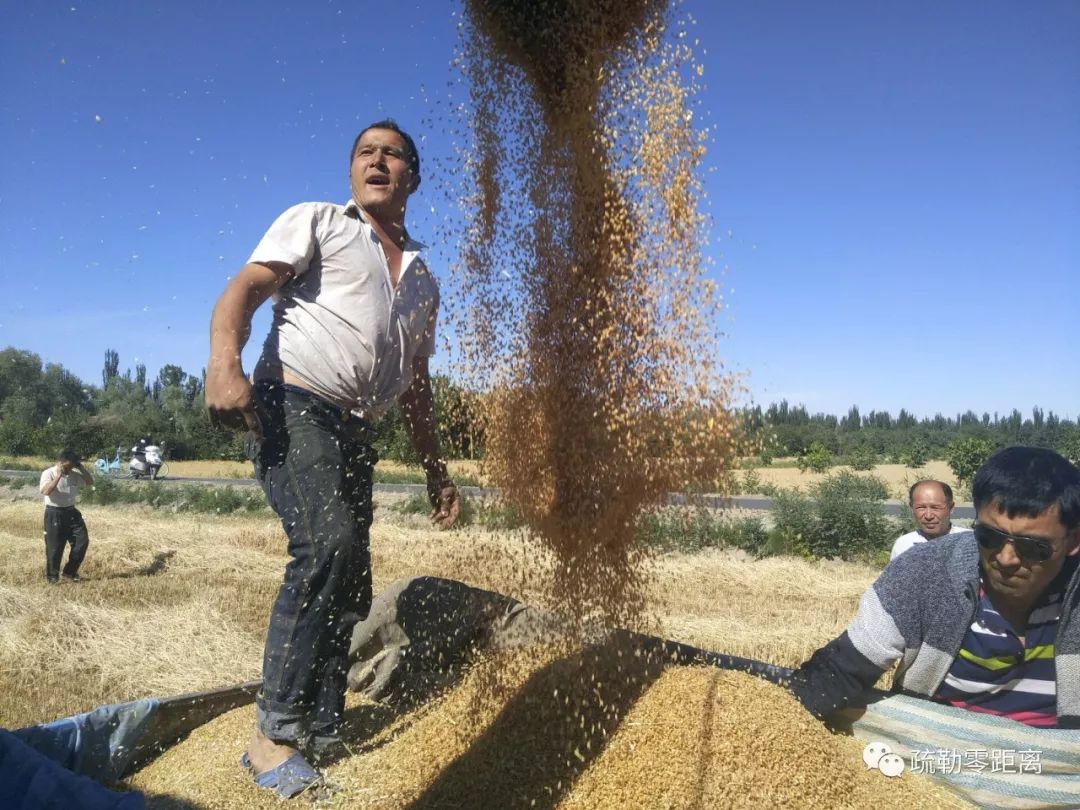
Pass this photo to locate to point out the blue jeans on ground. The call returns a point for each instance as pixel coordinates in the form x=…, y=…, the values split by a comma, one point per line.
x=315, y=464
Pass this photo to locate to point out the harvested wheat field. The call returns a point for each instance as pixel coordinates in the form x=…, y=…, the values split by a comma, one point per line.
x=897, y=477
x=593, y=729
x=175, y=603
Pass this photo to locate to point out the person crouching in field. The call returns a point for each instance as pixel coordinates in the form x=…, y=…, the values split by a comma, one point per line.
x=63, y=522
x=354, y=324
x=986, y=620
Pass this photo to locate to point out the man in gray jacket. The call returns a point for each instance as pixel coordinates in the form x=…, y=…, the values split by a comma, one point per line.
x=983, y=619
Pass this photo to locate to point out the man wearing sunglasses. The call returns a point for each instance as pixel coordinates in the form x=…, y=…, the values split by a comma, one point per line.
x=985, y=619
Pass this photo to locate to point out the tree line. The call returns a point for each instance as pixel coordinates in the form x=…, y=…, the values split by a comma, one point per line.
x=44, y=408
x=790, y=430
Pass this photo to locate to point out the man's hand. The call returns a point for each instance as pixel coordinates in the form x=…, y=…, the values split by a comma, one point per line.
x=228, y=399
x=228, y=393
x=445, y=502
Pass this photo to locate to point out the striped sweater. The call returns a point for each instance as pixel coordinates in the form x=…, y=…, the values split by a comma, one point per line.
x=918, y=613
x=998, y=673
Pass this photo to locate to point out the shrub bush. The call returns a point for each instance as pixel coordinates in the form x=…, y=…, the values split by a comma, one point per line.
x=498, y=515
x=413, y=505
x=1070, y=448
x=850, y=519
x=694, y=529
x=965, y=456
x=915, y=455
x=751, y=482
x=219, y=500
x=418, y=504
x=415, y=475
x=793, y=521
x=8, y=463
x=103, y=492
x=816, y=457
x=862, y=458
x=781, y=544
x=843, y=516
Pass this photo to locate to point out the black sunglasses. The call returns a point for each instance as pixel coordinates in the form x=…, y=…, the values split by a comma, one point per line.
x=1028, y=549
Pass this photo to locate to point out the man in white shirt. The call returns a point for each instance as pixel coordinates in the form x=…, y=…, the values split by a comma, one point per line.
x=353, y=326
x=63, y=522
x=931, y=504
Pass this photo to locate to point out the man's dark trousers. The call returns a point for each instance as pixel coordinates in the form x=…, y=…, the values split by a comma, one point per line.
x=63, y=525
x=315, y=464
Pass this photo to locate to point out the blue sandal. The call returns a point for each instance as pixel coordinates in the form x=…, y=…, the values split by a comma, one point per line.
x=291, y=778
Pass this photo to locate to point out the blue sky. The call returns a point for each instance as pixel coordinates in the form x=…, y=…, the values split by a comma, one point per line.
x=895, y=188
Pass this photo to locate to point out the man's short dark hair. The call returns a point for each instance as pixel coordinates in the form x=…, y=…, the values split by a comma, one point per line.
x=69, y=457
x=1028, y=481
x=392, y=125
x=946, y=490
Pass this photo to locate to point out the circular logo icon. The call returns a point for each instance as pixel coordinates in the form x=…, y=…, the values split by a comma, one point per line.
x=873, y=753
x=892, y=765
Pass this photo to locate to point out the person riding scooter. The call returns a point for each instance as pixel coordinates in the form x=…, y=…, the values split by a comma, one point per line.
x=145, y=459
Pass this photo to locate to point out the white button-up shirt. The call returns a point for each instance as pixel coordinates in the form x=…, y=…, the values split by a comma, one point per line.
x=339, y=326
x=66, y=492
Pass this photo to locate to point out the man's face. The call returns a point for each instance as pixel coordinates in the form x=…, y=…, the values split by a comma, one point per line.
x=381, y=178
x=66, y=467
x=1005, y=573
x=932, y=510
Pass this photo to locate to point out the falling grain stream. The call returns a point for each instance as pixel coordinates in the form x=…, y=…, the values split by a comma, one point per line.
x=585, y=309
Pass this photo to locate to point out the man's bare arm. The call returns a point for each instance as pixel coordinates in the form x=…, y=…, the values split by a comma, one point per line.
x=49, y=487
x=418, y=410
x=228, y=392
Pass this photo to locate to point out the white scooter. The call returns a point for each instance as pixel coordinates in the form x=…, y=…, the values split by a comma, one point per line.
x=145, y=462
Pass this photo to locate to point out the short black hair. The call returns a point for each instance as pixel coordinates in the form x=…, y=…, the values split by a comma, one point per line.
x=69, y=456
x=945, y=488
x=1028, y=481
x=391, y=124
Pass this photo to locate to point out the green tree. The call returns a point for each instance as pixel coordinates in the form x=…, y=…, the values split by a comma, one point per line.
x=915, y=455
x=862, y=458
x=1070, y=446
x=40, y=408
x=842, y=516
x=111, y=369
x=171, y=376
x=850, y=516
x=966, y=455
x=458, y=416
x=816, y=457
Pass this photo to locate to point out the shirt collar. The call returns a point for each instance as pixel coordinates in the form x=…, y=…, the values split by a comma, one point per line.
x=353, y=208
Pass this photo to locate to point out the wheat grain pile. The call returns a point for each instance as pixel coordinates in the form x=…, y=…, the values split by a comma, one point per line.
x=592, y=729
